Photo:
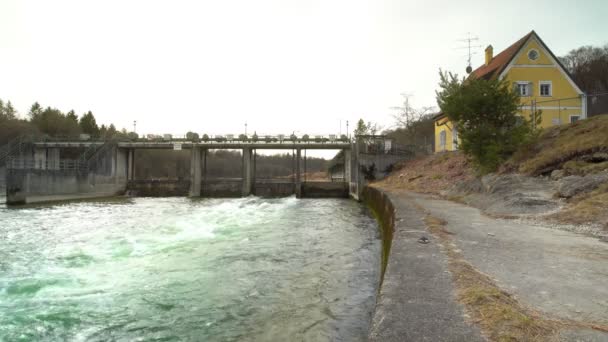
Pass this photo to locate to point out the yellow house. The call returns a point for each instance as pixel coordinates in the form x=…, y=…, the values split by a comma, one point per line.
x=541, y=80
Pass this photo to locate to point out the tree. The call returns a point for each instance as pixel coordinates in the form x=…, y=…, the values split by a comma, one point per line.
x=361, y=128
x=485, y=114
x=414, y=126
x=35, y=111
x=88, y=124
x=589, y=67
x=72, y=116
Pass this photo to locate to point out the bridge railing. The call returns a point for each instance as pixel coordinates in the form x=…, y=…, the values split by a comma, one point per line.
x=32, y=164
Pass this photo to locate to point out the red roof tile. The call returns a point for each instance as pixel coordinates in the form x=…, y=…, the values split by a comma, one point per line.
x=500, y=61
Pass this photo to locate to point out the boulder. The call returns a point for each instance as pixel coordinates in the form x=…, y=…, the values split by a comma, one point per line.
x=574, y=185
x=558, y=174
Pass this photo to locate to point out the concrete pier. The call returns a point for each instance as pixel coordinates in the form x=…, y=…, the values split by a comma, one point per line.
x=298, y=184
x=195, y=172
x=247, y=172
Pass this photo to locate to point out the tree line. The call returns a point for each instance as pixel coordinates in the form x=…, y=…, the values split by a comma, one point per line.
x=53, y=122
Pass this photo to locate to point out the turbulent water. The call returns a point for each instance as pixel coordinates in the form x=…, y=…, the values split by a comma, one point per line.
x=188, y=270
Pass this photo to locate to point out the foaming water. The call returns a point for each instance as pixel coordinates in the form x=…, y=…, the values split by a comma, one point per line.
x=176, y=269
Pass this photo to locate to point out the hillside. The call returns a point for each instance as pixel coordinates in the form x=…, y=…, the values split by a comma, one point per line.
x=562, y=178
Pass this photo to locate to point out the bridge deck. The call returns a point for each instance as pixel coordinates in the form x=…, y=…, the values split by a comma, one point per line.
x=285, y=145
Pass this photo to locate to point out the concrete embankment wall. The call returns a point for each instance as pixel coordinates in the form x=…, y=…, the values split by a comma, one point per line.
x=325, y=190
x=384, y=211
x=34, y=186
x=2, y=184
x=158, y=188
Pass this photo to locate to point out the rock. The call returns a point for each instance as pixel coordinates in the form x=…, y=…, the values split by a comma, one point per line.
x=574, y=185
x=557, y=174
x=596, y=157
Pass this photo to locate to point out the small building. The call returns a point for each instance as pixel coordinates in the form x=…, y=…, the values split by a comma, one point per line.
x=536, y=73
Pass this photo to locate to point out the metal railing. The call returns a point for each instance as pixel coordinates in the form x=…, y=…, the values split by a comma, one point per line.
x=60, y=165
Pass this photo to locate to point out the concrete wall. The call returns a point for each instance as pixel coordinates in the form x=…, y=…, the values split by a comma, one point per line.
x=222, y=188
x=325, y=190
x=273, y=189
x=2, y=184
x=33, y=186
x=382, y=161
x=158, y=188
x=384, y=211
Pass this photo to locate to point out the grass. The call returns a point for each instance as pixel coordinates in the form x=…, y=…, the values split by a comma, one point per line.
x=588, y=208
x=560, y=144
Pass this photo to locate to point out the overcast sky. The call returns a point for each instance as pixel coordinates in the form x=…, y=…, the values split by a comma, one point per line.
x=279, y=65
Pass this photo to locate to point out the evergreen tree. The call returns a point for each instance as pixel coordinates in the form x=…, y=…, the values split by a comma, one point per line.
x=485, y=114
x=35, y=111
x=88, y=124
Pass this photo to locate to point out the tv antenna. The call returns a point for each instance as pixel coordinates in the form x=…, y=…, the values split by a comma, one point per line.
x=470, y=40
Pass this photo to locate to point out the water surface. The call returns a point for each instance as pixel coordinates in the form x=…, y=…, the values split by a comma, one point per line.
x=177, y=269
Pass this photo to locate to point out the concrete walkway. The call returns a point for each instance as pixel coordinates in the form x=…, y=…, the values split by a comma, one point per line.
x=417, y=300
x=562, y=274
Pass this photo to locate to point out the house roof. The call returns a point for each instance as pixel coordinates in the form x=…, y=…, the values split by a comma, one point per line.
x=500, y=61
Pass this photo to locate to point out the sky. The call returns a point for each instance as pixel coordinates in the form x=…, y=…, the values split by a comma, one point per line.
x=281, y=66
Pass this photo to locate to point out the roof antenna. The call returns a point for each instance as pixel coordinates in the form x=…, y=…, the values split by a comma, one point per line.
x=469, y=40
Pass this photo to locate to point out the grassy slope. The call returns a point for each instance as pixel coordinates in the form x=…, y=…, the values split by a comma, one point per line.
x=556, y=148
x=431, y=174
x=558, y=145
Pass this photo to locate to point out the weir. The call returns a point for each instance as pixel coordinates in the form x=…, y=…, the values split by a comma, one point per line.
x=36, y=172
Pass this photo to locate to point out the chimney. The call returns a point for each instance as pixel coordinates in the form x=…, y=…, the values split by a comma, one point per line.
x=489, y=54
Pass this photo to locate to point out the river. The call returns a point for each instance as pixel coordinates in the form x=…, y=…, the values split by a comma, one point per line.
x=177, y=269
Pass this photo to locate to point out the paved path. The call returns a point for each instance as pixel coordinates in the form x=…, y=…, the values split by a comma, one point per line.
x=560, y=273
x=417, y=300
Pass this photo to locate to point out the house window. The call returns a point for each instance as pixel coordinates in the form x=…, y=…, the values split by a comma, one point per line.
x=524, y=89
x=442, y=140
x=455, y=138
x=533, y=54
x=574, y=118
x=546, y=88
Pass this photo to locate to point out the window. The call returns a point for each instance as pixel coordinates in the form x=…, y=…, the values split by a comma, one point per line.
x=455, y=138
x=546, y=88
x=523, y=88
x=442, y=141
x=574, y=118
x=533, y=54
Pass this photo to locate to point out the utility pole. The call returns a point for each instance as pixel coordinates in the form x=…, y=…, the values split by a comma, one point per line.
x=134, y=126
x=347, y=131
x=245, y=128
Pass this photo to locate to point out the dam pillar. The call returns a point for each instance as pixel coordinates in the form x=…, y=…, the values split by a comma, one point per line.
x=52, y=157
x=347, y=165
x=204, y=169
x=298, y=189
x=247, y=172
x=195, y=172
x=40, y=158
x=131, y=164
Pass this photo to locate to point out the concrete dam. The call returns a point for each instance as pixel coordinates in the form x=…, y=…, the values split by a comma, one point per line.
x=41, y=170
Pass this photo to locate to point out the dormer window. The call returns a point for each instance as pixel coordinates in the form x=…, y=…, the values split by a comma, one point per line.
x=546, y=88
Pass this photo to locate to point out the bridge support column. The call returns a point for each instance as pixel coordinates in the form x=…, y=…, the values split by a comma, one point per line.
x=247, y=172
x=40, y=158
x=298, y=189
x=131, y=164
x=204, y=167
x=347, y=166
x=195, y=172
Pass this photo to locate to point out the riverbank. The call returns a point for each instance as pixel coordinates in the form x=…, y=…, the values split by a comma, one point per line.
x=480, y=278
